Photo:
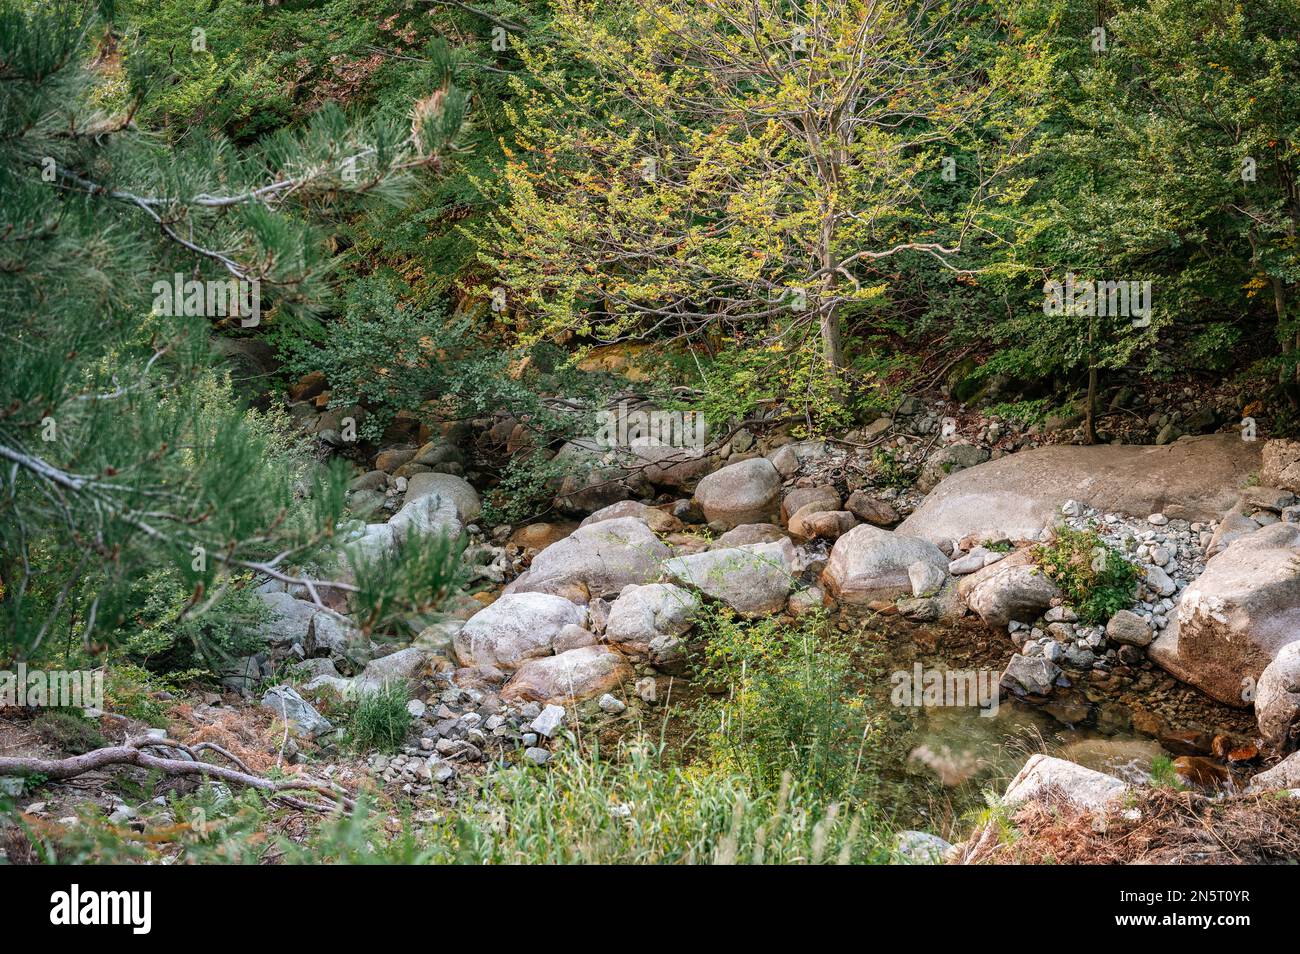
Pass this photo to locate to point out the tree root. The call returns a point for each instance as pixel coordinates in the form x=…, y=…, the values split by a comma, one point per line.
x=135, y=752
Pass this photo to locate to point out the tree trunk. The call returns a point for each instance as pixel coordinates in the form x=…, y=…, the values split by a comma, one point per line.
x=832, y=347
x=1090, y=415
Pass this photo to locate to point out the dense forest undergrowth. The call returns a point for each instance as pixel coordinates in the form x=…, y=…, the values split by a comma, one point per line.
x=340, y=343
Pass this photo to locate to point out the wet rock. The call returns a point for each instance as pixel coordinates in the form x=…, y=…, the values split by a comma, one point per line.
x=1201, y=771
x=1011, y=589
x=1034, y=675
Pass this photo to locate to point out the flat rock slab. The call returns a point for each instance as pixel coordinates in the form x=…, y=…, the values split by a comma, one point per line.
x=1196, y=478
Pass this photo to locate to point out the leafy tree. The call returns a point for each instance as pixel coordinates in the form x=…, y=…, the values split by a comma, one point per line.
x=686, y=168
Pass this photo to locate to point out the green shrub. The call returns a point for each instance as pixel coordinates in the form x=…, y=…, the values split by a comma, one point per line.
x=69, y=731
x=132, y=691
x=1096, y=580
x=164, y=638
x=790, y=705
x=1163, y=774
x=888, y=471
x=381, y=719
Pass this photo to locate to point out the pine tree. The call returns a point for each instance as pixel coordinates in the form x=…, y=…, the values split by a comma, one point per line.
x=122, y=451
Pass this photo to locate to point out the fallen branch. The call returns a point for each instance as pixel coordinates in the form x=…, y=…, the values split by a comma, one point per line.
x=135, y=752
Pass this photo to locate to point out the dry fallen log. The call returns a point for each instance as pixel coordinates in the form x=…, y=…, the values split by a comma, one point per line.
x=136, y=752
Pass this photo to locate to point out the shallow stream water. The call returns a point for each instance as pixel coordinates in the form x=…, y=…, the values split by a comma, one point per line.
x=936, y=762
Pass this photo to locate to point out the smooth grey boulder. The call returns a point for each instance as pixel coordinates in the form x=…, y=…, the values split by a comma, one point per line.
x=641, y=614
x=597, y=560
x=869, y=564
x=1084, y=787
x=1013, y=588
x=450, y=487
x=754, y=579
x=517, y=627
x=744, y=492
x=289, y=623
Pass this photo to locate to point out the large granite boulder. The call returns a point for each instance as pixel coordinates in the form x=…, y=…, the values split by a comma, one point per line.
x=517, y=627
x=1013, y=588
x=597, y=560
x=869, y=565
x=1083, y=787
x=754, y=579
x=745, y=492
x=569, y=677
x=644, y=614
x=656, y=519
x=1194, y=478
x=450, y=487
x=1277, y=699
x=1234, y=619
